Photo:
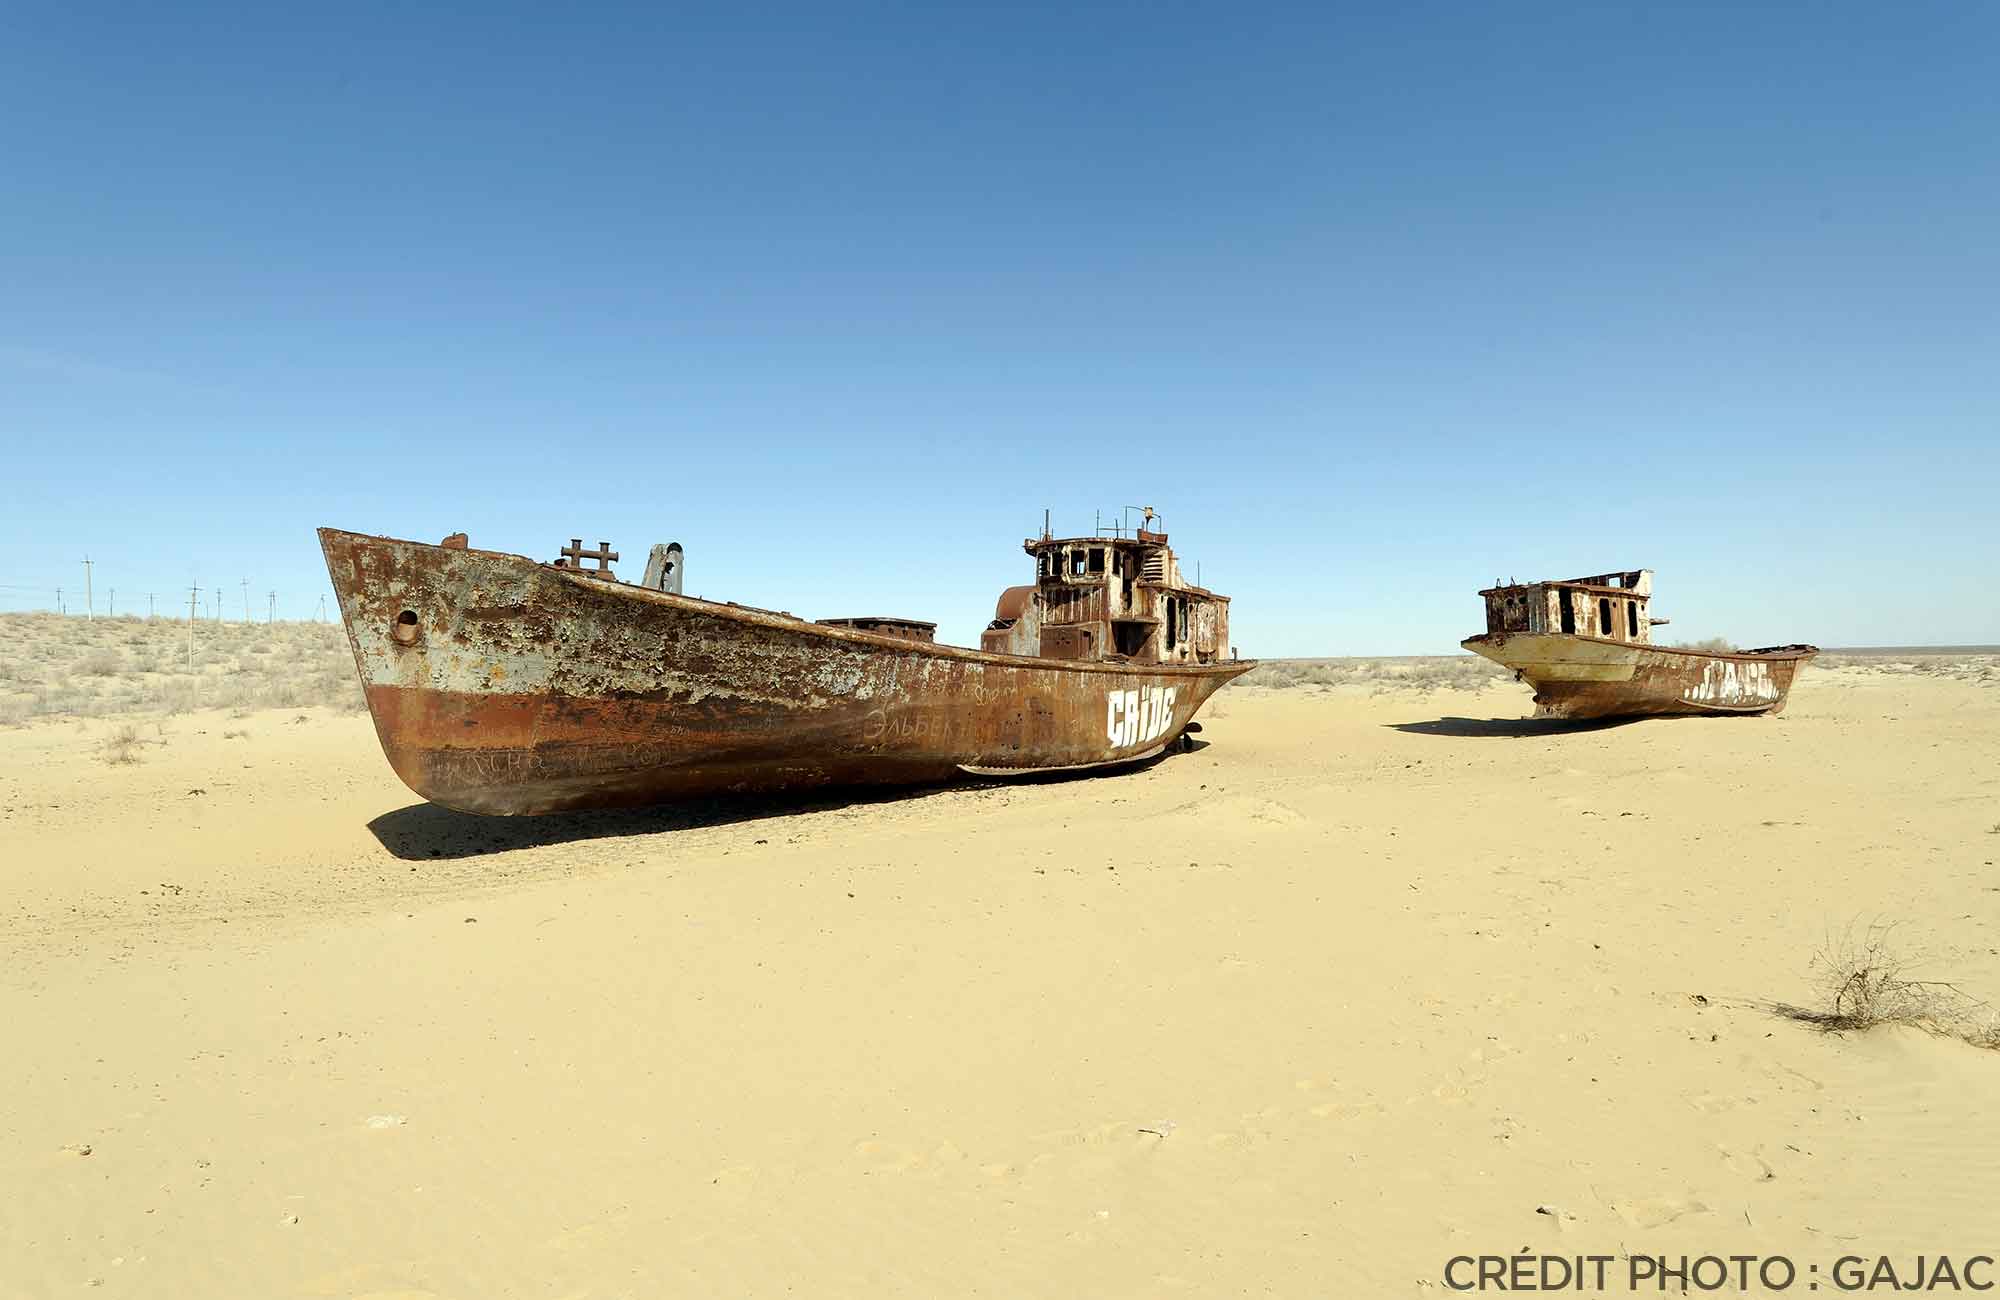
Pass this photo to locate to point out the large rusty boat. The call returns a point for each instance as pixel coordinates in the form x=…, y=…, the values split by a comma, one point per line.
x=1586, y=646
x=500, y=684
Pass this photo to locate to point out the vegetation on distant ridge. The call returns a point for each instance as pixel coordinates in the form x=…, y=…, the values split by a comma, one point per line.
x=1450, y=673
x=62, y=665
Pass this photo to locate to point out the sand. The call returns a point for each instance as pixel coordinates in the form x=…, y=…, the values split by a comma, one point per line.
x=1373, y=980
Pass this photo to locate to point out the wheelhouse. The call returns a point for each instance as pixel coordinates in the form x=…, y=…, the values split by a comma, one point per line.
x=1115, y=597
x=1612, y=606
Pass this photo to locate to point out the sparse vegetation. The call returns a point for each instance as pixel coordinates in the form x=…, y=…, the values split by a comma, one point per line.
x=1972, y=666
x=1711, y=645
x=121, y=747
x=56, y=665
x=1421, y=673
x=1863, y=980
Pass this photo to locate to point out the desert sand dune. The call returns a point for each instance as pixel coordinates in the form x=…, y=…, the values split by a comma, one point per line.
x=1369, y=981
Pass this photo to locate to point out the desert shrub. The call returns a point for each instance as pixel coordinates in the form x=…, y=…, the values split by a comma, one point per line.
x=1713, y=645
x=101, y=663
x=122, y=745
x=1863, y=979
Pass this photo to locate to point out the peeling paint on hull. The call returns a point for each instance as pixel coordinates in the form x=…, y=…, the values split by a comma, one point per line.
x=1600, y=677
x=500, y=685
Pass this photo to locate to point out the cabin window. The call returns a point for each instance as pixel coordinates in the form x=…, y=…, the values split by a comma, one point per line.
x=1097, y=559
x=1605, y=627
x=1568, y=613
x=1632, y=619
x=1172, y=625
x=1077, y=559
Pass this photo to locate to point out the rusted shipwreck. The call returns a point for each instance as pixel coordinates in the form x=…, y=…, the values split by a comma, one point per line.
x=1586, y=646
x=500, y=684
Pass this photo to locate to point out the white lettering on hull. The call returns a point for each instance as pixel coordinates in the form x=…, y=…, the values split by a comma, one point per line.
x=1137, y=716
x=1727, y=682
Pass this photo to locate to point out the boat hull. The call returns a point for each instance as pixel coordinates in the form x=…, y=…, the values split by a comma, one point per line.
x=500, y=685
x=1597, y=677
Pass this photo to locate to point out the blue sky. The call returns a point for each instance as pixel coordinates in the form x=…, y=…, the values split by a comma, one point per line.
x=1373, y=303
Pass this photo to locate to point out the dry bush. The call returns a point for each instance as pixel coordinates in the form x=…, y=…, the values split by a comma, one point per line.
x=1864, y=980
x=101, y=662
x=121, y=747
x=1713, y=645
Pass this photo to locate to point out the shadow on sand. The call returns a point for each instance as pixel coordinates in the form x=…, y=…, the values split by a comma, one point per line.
x=1516, y=727
x=424, y=832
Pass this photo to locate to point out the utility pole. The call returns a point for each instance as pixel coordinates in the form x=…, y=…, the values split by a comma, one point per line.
x=194, y=594
x=320, y=613
x=272, y=617
x=89, y=605
x=218, y=604
x=59, y=604
x=246, y=600
x=149, y=607
x=111, y=606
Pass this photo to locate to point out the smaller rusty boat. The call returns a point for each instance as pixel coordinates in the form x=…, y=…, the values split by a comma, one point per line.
x=499, y=684
x=1586, y=646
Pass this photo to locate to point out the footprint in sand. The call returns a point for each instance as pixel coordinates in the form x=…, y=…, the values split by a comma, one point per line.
x=1254, y=1133
x=1657, y=1211
x=1092, y=1136
x=1245, y=808
x=1710, y=1104
x=1346, y=1109
x=1749, y=1164
x=885, y=1159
